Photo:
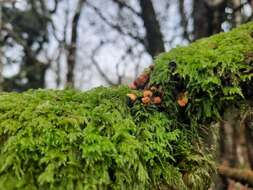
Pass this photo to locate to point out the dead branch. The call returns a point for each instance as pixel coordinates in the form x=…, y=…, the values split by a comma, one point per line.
x=240, y=175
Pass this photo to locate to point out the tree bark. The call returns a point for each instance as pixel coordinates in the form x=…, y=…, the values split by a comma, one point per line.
x=228, y=137
x=154, y=39
x=237, y=15
x=248, y=122
x=242, y=176
x=184, y=20
x=207, y=17
x=71, y=57
x=35, y=72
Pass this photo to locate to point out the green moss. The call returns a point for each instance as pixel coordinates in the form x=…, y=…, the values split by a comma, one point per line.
x=93, y=140
x=215, y=71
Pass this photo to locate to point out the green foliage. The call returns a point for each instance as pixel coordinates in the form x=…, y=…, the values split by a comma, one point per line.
x=93, y=140
x=216, y=72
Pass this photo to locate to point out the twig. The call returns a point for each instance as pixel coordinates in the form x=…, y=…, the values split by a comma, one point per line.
x=124, y=4
x=115, y=26
x=99, y=69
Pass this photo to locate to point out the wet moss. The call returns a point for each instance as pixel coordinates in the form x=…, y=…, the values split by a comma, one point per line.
x=69, y=139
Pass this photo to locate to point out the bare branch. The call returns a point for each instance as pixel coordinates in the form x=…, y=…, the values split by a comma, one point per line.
x=8, y=1
x=239, y=175
x=120, y=61
x=116, y=26
x=56, y=2
x=62, y=45
x=124, y=4
x=99, y=69
x=15, y=36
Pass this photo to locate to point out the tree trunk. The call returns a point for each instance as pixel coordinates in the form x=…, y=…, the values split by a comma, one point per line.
x=71, y=57
x=237, y=15
x=35, y=73
x=183, y=20
x=1, y=70
x=248, y=122
x=207, y=17
x=154, y=39
x=228, y=145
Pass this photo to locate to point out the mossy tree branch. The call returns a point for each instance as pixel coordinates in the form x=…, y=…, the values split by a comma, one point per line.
x=95, y=140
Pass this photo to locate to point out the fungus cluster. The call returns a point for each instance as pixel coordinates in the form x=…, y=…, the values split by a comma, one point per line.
x=151, y=95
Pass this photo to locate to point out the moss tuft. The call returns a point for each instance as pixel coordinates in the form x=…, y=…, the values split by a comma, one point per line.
x=216, y=72
x=93, y=140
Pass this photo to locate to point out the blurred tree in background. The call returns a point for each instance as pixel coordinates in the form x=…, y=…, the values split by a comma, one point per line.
x=25, y=31
x=85, y=43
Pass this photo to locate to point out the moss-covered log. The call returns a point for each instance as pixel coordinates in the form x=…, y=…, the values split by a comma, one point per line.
x=96, y=140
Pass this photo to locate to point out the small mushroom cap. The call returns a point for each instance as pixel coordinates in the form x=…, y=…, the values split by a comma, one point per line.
x=182, y=99
x=132, y=97
x=132, y=86
x=157, y=100
x=147, y=93
x=182, y=102
x=146, y=100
